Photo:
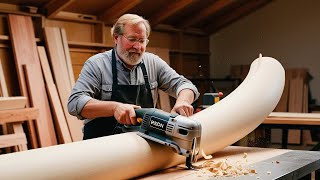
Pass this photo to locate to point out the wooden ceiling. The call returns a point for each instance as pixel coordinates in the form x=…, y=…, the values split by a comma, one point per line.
x=203, y=16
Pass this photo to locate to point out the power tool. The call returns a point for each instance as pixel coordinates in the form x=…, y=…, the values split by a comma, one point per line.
x=179, y=132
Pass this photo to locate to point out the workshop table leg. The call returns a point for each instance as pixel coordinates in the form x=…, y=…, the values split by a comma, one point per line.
x=284, y=138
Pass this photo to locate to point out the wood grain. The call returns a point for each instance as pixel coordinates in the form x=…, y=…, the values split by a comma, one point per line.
x=25, y=53
x=61, y=76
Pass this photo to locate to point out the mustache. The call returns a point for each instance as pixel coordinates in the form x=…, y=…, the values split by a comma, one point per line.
x=134, y=51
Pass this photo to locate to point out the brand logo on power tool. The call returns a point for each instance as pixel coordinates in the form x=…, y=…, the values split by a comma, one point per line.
x=156, y=123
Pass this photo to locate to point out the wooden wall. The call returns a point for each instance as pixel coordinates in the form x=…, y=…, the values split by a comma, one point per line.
x=187, y=51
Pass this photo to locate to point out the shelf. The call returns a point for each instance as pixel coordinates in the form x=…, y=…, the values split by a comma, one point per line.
x=7, y=38
x=88, y=45
x=189, y=52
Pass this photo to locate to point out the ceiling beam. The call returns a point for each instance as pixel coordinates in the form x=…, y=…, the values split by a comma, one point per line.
x=205, y=13
x=121, y=7
x=169, y=10
x=55, y=6
x=235, y=14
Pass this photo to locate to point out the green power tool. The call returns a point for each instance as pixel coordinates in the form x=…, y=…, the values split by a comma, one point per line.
x=179, y=132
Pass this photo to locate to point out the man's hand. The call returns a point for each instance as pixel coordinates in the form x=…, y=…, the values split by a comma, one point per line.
x=124, y=113
x=183, y=103
x=183, y=108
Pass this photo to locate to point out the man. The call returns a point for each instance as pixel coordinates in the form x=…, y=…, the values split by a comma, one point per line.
x=114, y=83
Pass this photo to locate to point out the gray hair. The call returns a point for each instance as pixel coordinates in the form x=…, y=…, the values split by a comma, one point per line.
x=130, y=19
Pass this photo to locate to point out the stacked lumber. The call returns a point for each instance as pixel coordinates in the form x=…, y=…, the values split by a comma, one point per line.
x=60, y=62
x=45, y=81
x=294, y=99
x=13, y=113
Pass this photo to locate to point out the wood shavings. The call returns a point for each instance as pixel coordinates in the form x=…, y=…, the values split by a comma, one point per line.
x=225, y=168
x=205, y=156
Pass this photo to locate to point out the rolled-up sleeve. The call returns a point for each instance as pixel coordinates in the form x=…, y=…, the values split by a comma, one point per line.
x=86, y=88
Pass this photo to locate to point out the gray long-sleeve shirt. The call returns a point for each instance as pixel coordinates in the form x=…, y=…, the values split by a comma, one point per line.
x=95, y=80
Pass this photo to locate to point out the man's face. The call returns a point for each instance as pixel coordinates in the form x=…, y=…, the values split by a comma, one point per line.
x=132, y=44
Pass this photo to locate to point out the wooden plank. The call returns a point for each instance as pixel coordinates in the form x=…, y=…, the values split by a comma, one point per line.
x=206, y=12
x=55, y=6
x=18, y=115
x=39, y=99
x=58, y=64
x=55, y=103
x=12, y=102
x=67, y=56
x=3, y=84
x=22, y=36
x=121, y=7
x=294, y=115
x=292, y=121
x=169, y=10
x=17, y=129
x=282, y=106
x=12, y=140
x=62, y=128
x=45, y=65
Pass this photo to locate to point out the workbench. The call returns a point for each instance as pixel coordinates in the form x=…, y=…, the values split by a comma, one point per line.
x=287, y=120
x=268, y=164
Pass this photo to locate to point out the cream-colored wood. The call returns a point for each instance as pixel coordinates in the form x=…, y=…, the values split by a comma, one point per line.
x=108, y=157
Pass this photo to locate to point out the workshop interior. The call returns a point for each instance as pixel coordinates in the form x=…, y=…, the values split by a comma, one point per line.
x=254, y=63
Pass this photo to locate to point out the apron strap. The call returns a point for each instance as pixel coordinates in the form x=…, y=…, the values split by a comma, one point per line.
x=114, y=70
x=145, y=76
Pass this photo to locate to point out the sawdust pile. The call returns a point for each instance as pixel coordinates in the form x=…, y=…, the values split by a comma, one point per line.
x=225, y=168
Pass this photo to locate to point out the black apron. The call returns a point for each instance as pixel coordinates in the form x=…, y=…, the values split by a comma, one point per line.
x=131, y=94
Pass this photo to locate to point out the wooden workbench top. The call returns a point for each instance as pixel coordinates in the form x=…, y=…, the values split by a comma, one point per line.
x=268, y=163
x=293, y=118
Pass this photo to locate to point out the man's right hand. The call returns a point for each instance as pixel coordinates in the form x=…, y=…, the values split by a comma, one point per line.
x=124, y=114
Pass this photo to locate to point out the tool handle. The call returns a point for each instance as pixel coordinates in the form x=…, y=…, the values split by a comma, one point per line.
x=141, y=112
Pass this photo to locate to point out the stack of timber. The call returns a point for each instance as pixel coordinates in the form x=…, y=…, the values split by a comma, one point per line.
x=42, y=82
x=13, y=113
x=294, y=99
x=30, y=76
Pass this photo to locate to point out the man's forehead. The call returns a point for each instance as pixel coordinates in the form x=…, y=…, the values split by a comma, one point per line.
x=135, y=27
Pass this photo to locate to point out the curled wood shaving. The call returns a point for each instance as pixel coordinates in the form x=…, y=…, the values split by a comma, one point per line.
x=205, y=156
x=226, y=168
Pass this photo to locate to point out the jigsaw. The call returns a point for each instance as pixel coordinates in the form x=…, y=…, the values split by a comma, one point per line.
x=179, y=132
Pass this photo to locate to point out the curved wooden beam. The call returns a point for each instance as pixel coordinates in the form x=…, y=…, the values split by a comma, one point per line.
x=127, y=155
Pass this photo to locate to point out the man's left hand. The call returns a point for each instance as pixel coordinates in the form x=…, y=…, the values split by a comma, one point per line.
x=183, y=108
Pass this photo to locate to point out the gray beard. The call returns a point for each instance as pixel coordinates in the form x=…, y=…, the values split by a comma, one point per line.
x=131, y=58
